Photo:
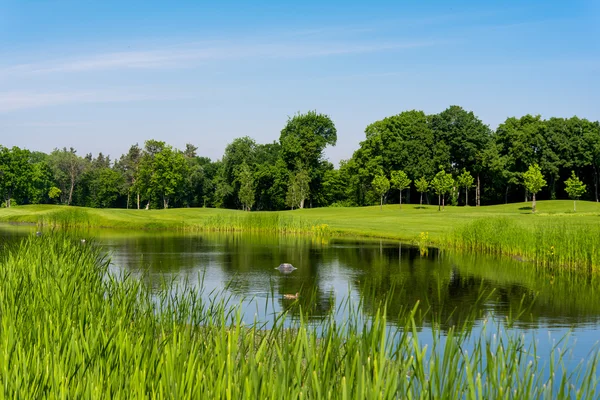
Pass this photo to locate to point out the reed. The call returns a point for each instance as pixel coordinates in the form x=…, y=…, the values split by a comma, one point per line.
x=556, y=243
x=68, y=329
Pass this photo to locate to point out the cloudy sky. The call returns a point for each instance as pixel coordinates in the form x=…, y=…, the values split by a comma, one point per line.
x=103, y=75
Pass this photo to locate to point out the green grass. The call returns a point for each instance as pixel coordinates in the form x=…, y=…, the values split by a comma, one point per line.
x=503, y=229
x=69, y=330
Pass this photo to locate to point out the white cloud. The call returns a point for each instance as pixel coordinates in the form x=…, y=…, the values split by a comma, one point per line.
x=189, y=56
x=14, y=101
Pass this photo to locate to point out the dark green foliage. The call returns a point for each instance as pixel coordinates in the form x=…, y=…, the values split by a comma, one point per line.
x=159, y=176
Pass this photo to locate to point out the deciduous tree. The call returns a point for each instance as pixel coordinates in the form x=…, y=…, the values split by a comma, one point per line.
x=442, y=184
x=422, y=186
x=534, y=181
x=400, y=181
x=380, y=185
x=465, y=180
x=575, y=188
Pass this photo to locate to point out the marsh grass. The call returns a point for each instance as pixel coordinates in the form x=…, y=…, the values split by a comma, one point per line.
x=68, y=329
x=558, y=243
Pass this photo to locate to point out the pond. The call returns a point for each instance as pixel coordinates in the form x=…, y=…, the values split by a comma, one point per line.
x=333, y=271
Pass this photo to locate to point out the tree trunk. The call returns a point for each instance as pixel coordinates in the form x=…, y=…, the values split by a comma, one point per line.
x=421, y=201
x=401, y=199
x=138, y=200
x=574, y=205
x=506, y=195
x=165, y=202
x=478, y=192
x=71, y=193
x=443, y=202
x=301, y=203
x=381, y=204
x=533, y=204
x=596, y=182
x=128, y=200
x=439, y=202
x=466, y=196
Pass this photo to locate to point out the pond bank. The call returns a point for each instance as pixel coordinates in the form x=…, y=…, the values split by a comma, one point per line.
x=554, y=237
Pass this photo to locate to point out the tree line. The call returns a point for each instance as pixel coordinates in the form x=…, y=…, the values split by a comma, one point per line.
x=438, y=158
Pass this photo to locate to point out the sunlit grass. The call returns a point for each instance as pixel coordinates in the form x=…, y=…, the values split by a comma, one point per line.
x=69, y=330
x=554, y=236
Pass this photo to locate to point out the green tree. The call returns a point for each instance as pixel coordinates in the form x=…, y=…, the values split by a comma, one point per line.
x=422, y=186
x=465, y=180
x=162, y=173
x=575, y=189
x=67, y=168
x=534, y=181
x=42, y=180
x=298, y=189
x=129, y=165
x=466, y=137
x=16, y=174
x=380, y=185
x=246, y=192
x=400, y=181
x=442, y=184
x=303, y=140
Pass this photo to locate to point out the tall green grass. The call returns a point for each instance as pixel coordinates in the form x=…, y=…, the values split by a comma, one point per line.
x=258, y=222
x=70, y=330
x=555, y=243
x=202, y=220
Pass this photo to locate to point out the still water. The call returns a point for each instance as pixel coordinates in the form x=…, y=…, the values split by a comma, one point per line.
x=333, y=271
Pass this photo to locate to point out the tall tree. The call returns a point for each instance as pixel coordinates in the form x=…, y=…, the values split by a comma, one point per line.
x=298, y=189
x=16, y=174
x=246, y=192
x=575, y=188
x=534, y=181
x=240, y=151
x=129, y=165
x=522, y=142
x=67, y=168
x=400, y=181
x=161, y=173
x=467, y=137
x=303, y=140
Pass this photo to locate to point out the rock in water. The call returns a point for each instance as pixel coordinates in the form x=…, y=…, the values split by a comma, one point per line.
x=286, y=268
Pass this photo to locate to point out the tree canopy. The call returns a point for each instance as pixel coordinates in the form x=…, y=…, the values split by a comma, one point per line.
x=292, y=172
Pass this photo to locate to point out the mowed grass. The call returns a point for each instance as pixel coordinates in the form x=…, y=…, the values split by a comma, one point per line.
x=391, y=222
x=70, y=330
x=554, y=236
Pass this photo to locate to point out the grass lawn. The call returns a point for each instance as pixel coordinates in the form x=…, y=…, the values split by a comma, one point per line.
x=390, y=222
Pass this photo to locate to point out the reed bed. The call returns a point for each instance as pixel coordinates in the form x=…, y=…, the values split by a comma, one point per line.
x=259, y=222
x=556, y=243
x=68, y=329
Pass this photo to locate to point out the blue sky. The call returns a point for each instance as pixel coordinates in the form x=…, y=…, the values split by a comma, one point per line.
x=103, y=75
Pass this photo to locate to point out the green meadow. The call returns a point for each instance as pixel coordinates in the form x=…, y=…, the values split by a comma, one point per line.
x=554, y=236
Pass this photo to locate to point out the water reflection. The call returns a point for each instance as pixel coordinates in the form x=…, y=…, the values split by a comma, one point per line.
x=451, y=286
